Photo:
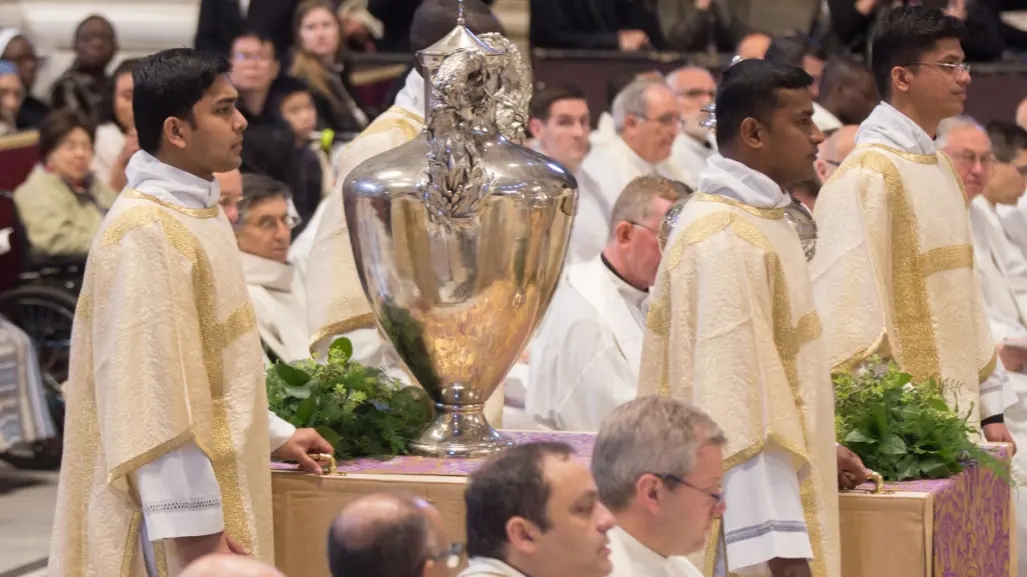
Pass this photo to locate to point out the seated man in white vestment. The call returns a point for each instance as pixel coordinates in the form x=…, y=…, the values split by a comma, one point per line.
x=559, y=122
x=1009, y=143
x=606, y=130
x=230, y=184
x=833, y=151
x=1002, y=268
x=658, y=464
x=276, y=289
x=585, y=355
x=694, y=88
x=533, y=510
x=732, y=329
x=648, y=119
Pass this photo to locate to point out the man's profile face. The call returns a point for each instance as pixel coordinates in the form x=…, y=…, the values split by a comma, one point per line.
x=576, y=542
x=267, y=229
x=564, y=136
x=792, y=137
x=643, y=247
x=213, y=140
x=937, y=82
x=652, y=136
x=11, y=96
x=230, y=184
x=691, y=508
x=970, y=150
x=253, y=64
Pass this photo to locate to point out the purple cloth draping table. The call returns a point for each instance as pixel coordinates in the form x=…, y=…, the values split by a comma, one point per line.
x=971, y=521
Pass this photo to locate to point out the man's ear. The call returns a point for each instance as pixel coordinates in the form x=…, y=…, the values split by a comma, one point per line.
x=174, y=131
x=900, y=78
x=427, y=567
x=821, y=168
x=535, y=125
x=522, y=535
x=751, y=132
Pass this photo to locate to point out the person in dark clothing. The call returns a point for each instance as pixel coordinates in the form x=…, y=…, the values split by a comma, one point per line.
x=311, y=171
x=855, y=21
x=16, y=48
x=85, y=87
x=396, y=16
x=222, y=21
x=254, y=74
x=626, y=25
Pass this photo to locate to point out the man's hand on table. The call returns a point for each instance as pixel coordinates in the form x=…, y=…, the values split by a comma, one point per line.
x=299, y=447
x=998, y=433
x=851, y=471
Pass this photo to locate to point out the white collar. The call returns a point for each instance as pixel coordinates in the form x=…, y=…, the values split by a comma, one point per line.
x=148, y=175
x=267, y=273
x=488, y=566
x=629, y=153
x=887, y=126
x=643, y=559
x=737, y=181
x=411, y=98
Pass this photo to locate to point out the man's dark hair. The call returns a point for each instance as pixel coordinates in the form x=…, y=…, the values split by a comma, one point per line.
x=260, y=36
x=904, y=35
x=511, y=484
x=395, y=546
x=749, y=89
x=791, y=49
x=57, y=125
x=1007, y=139
x=127, y=66
x=840, y=70
x=433, y=19
x=617, y=82
x=543, y=100
x=94, y=18
x=169, y=83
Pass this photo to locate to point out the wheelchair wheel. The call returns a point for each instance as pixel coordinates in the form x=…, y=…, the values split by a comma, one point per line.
x=45, y=312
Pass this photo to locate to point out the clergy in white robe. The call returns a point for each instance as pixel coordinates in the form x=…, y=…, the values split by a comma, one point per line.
x=559, y=120
x=896, y=211
x=694, y=88
x=658, y=464
x=732, y=329
x=647, y=120
x=274, y=285
x=585, y=355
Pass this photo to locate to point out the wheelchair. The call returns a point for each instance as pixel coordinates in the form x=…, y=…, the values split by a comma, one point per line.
x=39, y=297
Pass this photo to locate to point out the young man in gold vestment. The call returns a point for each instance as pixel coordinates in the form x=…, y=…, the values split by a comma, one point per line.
x=733, y=330
x=894, y=272
x=168, y=435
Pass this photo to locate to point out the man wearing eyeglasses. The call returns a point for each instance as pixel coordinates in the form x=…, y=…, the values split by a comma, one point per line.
x=391, y=535
x=694, y=88
x=658, y=464
x=585, y=355
x=893, y=274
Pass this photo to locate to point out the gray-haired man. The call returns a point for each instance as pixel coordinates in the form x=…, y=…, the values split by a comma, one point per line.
x=658, y=464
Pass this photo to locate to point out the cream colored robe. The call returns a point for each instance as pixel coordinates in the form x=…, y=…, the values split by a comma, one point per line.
x=613, y=165
x=732, y=329
x=894, y=269
x=133, y=397
x=280, y=303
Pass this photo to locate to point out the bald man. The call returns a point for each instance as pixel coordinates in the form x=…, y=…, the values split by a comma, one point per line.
x=391, y=535
x=834, y=150
x=230, y=184
x=230, y=566
x=754, y=45
x=694, y=88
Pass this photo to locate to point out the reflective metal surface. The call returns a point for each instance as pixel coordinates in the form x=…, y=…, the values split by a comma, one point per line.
x=670, y=220
x=802, y=221
x=459, y=237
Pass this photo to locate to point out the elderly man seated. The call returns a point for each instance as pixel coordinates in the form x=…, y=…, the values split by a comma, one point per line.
x=586, y=353
x=264, y=232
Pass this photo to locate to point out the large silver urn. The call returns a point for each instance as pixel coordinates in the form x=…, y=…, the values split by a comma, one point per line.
x=459, y=237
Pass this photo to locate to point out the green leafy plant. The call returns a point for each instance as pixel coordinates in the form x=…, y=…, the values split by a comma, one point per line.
x=905, y=430
x=360, y=410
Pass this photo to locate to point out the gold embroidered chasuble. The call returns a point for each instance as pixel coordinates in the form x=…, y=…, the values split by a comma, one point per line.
x=732, y=329
x=894, y=274
x=336, y=302
x=164, y=351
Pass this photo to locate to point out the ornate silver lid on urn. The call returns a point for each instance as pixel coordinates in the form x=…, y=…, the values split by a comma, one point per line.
x=459, y=236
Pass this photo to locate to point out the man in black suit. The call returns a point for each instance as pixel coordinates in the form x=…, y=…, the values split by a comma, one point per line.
x=222, y=21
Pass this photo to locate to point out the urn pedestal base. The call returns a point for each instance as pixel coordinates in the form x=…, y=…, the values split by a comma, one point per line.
x=459, y=432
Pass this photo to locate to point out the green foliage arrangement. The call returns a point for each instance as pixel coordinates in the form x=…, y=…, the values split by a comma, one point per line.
x=360, y=410
x=905, y=430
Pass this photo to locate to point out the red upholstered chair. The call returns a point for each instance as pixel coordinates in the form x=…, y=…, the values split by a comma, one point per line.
x=19, y=154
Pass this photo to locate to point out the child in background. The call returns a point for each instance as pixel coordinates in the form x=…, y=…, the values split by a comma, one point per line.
x=296, y=106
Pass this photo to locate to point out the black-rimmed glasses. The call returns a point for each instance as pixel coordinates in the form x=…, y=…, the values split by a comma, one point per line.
x=718, y=498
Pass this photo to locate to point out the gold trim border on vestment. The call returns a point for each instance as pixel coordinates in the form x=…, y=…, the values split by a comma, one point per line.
x=361, y=321
x=210, y=212
x=771, y=213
